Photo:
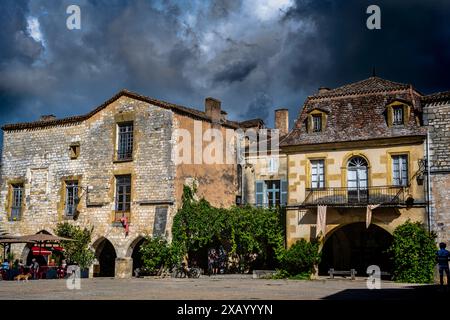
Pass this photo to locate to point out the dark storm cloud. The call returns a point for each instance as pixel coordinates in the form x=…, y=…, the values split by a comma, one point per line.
x=236, y=71
x=254, y=55
x=412, y=46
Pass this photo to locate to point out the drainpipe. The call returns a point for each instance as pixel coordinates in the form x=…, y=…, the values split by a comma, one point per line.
x=428, y=182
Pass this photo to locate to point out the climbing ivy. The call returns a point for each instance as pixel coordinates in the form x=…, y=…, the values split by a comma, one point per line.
x=251, y=235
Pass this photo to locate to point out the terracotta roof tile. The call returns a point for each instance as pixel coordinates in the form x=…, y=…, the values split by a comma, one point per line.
x=357, y=112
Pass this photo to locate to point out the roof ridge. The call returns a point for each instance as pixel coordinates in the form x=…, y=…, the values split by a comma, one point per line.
x=124, y=92
x=372, y=84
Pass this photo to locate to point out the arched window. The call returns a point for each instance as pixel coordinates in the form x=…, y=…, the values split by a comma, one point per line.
x=357, y=179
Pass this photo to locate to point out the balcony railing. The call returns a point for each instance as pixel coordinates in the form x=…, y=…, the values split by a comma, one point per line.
x=391, y=195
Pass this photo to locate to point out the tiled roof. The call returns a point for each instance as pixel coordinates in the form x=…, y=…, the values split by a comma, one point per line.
x=372, y=84
x=435, y=97
x=259, y=123
x=357, y=112
x=76, y=119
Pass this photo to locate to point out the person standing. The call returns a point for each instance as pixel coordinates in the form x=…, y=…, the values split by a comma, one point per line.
x=443, y=257
x=34, y=268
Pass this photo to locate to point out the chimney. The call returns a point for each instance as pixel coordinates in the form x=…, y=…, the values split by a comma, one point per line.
x=282, y=121
x=223, y=115
x=47, y=117
x=323, y=89
x=212, y=109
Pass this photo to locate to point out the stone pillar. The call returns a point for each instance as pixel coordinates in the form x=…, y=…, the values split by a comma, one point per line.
x=124, y=268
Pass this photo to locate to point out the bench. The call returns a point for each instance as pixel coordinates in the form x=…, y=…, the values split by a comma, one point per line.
x=263, y=274
x=352, y=273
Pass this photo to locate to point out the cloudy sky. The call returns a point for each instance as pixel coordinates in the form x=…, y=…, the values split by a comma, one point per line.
x=255, y=55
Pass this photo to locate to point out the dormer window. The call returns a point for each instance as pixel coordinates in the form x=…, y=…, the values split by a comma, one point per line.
x=397, y=115
x=317, y=122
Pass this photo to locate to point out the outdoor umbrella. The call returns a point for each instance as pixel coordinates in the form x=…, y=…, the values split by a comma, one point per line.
x=43, y=238
x=7, y=241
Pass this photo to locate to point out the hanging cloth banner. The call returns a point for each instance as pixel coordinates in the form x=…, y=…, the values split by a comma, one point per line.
x=321, y=220
x=370, y=207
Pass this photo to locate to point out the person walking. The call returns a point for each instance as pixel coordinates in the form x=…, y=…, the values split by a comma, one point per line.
x=443, y=256
x=210, y=262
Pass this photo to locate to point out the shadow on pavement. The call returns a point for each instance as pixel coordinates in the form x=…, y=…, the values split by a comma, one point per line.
x=422, y=292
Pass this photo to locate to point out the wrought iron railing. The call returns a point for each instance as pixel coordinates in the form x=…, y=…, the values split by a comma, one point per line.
x=356, y=196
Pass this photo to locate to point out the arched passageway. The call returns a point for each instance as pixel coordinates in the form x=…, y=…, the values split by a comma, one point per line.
x=136, y=254
x=106, y=256
x=356, y=247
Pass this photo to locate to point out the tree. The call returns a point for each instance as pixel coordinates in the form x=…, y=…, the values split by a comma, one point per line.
x=413, y=252
x=158, y=254
x=253, y=235
x=300, y=259
x=77, y=251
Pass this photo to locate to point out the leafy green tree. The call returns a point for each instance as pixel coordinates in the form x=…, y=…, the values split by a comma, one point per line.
x=413, y=252
x=77, y=251
x=158, y=254
x=300, y=259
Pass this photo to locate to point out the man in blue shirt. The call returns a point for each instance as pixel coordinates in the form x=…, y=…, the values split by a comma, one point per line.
x=442, y=257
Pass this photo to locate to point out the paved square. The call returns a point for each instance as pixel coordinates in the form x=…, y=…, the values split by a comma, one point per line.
x=231, y=287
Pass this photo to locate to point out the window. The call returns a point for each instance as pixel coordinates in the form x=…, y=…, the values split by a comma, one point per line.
x=398, y=115
x=273, y=165
x=71, y=198
x=271, y=193
x=74, y=151
x=317, y=174
x=317, y=123
x=260, y=186
x=17, y=199
x=125, y=141
x=123, y=193
x=400, y=170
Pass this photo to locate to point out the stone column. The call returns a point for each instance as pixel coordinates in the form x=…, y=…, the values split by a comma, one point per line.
x=124, y=268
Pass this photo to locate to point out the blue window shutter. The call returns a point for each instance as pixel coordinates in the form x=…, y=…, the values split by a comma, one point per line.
x=284, y=190
x=259, y=195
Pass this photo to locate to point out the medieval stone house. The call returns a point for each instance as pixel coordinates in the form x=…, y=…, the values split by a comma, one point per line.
x=114, y=169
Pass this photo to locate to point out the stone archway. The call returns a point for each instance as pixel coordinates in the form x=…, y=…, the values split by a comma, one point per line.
x=134, y=253
x=353, y=246
x=106, y=257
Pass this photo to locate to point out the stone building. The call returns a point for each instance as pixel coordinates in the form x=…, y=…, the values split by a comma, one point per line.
x=437, y=117
x=352, y=147
x=265, y=168
x=117, y=169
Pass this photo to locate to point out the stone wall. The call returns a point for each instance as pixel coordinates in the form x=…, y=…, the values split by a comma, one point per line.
x=40, y=158
x=437, y=117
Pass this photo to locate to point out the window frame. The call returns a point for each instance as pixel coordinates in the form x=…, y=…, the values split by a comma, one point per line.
x=320, y=184
x=16, y=207
x=401, y=179
x=398, y=114
x=71, y=197
x=125, y=141
x=316, y=126
x=121, y=197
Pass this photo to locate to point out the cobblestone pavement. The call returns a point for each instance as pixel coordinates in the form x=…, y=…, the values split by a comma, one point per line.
x=233, y=288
